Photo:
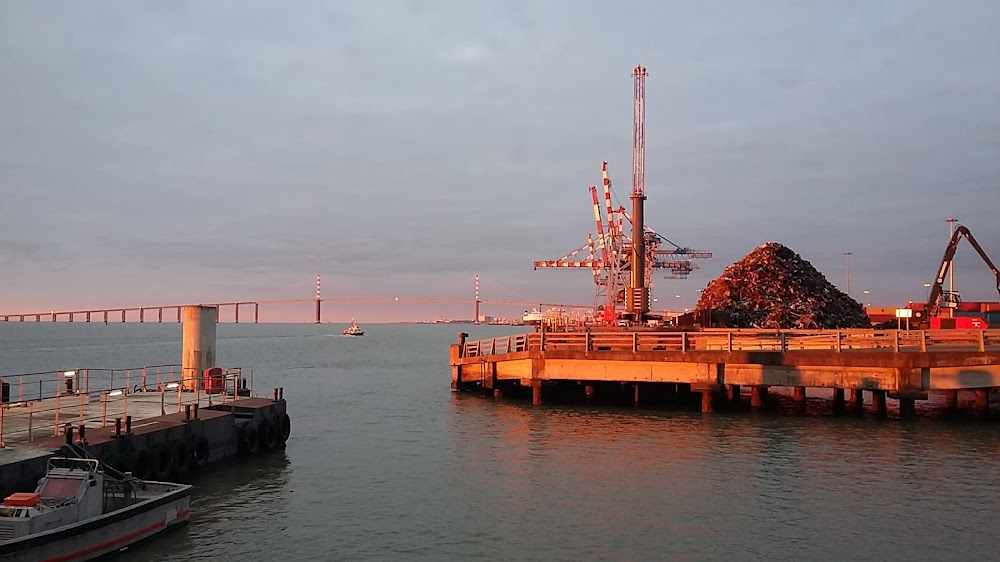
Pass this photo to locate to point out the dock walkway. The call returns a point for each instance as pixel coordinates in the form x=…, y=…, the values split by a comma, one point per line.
x=903, y=365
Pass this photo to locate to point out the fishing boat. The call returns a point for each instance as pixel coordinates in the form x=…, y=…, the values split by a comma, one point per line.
x=354, y=330
x=79, y=511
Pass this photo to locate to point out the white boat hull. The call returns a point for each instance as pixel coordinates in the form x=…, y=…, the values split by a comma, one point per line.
x=108, y=533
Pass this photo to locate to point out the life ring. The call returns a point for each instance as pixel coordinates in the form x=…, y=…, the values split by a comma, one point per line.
x=141, y=463
x=268, y=434
x=163, y=462
x=249, y=439
x=286, y=427
x=200, y=452
x=181, y=456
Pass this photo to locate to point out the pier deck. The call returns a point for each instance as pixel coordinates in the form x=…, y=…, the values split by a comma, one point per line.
x=904, y=365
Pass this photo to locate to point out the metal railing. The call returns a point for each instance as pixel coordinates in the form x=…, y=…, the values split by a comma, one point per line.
x=56, y=398
x=741, y=340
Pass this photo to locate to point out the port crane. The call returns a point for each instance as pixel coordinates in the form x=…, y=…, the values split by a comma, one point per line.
x=622, y=266
x=940, y=298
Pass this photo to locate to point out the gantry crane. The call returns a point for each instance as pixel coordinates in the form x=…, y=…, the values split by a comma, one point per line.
x=623, y=271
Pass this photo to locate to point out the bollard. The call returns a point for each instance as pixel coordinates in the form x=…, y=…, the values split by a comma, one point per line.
x=128, y=424
x=83, y=433
x=118, y=426
x=187, y=412
x=276, y=395
x=68, y=429
x=196, y=411
x=281, y=393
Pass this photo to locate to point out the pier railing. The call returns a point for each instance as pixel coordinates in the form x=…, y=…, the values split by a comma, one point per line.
x=741, y=340
x=95, y=397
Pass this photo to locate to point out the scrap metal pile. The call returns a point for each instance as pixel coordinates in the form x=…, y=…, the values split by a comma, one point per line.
x=773, y=287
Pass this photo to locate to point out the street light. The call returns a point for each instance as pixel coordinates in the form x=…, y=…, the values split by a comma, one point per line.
x=678, y=297
x=848, y=256
x=867, y=292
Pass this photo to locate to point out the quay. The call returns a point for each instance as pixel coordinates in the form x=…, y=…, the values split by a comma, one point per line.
x=902, y=365
x=160, y=422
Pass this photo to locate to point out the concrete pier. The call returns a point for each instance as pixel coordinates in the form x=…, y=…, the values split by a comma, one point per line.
x=903, y=366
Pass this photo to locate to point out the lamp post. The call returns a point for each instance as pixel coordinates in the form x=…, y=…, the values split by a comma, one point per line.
x=678, y=297
x=848, y=256
x=867, y=292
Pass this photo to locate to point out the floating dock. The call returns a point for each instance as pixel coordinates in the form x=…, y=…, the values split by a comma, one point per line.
x=902, y=365
x=159, y=422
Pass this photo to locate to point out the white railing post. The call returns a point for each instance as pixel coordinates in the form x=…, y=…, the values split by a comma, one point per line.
x=982, y=340
x=923, y=341
x=840, y=341
x=730, y=334
x=895, y=346
x=782, y=336
x=541, y=339
x=684, y=341
x=586, y=342
x=635, y=342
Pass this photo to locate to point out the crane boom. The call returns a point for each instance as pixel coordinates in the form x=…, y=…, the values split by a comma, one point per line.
x=937, y=292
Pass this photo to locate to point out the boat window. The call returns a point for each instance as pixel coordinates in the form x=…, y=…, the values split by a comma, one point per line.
x=60, y=487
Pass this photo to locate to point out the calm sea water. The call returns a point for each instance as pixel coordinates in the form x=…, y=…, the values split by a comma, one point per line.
x=385, y=463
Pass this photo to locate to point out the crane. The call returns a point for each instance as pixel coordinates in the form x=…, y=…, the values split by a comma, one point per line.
x=939, y=297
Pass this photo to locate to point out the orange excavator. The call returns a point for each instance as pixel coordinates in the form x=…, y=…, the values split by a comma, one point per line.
x=940, y=298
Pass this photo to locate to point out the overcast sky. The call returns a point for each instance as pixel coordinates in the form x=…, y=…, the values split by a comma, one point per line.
x=174, y=152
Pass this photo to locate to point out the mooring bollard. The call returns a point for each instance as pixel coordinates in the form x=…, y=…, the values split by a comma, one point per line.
x=196, y=411
x=128, y=424
x=69, y=434
x=118, y=426
x=187, y=412
x=83, y=433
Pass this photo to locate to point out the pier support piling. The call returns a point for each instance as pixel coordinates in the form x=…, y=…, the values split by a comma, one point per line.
x=838, y=399
x=758, y=394
x=907, y=408
x=733, y=393
x=536, y=393
x=857, y=399
x=588, y=392
x=982, y=401
x=636, y=392
x=878, y=397
x=706, y=401
x=951, y=399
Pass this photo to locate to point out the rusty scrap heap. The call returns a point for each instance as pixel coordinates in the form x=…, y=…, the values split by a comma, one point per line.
x=773, y=287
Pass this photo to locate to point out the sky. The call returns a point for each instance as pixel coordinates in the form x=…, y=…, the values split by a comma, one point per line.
x=172, y=152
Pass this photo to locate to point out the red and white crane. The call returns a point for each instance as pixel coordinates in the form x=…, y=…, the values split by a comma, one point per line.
x=623, y=272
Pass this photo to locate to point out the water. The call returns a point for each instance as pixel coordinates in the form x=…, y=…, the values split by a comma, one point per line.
x=385, y=463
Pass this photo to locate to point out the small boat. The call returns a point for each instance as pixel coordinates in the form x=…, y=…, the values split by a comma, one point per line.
x=354, y=330
x=80, y=512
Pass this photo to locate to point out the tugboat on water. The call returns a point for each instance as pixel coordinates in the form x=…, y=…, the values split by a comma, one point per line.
x=354, y=330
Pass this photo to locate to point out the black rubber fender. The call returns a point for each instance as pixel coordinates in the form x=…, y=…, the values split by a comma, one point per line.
x=200, y=451
x=285, y=427
x=181, y=454
x=249, y=439
x=163, y=462
x=268, y=434
x=141, y=463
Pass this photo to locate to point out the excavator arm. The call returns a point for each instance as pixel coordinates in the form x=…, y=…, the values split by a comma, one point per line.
x=934, y=300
